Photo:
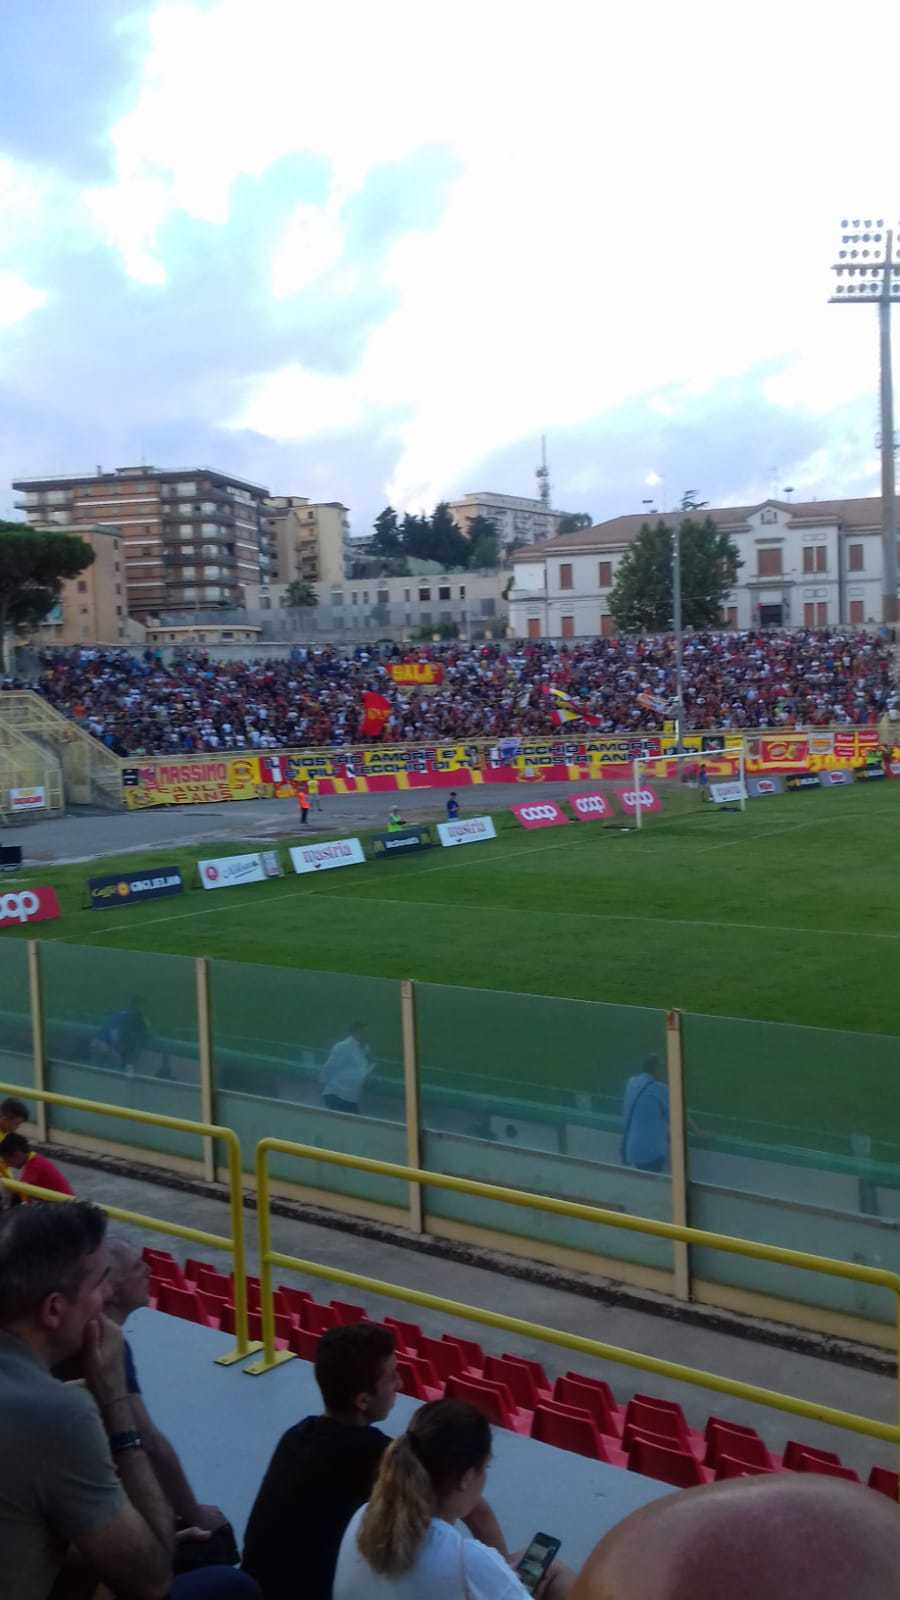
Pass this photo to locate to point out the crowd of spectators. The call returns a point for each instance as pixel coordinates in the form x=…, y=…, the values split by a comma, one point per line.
x=139, y=705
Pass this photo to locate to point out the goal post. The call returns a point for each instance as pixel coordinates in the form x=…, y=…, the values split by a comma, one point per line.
x=679, y=784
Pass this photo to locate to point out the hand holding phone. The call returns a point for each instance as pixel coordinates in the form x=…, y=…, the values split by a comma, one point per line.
x=542, y=1550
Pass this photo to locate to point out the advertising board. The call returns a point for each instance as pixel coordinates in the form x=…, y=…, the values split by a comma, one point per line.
x=127, y=888
x=19, y=906
x=402, y=842
x=591, y=807
x=540, y=814
x=627, y=797
x=322, y=857
x=224, y=872
x=725, y=794
x=466, y=830
x=27, y=799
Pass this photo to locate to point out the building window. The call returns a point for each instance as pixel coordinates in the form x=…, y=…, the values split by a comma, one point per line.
x=769, y=515
x=565, y=575
x=425, y=618
x=407, y=595
x=855, y=562
x=354, y=598
x=462, y=591
x=487, y=608
x=857, y=607
x=604, y=574
x=118, y=611
x=731, y=616
x=568, y=627
x=808, y=558
x=425, y=594
x=769, y=562
x=384, y=597
x=444, y=591
x=82, y=586
x=534, y=627
x=607, y=625
x=118, y=588
x=815, y=558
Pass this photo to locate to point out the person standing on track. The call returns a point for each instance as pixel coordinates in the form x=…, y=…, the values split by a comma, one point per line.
x=301, y=794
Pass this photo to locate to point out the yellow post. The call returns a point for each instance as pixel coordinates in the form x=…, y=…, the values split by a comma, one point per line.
x=411, y=1095
x=681, y=1264
x=204, y=1051
x=38, y=1044
x=270, y=1356
x=245, y=1346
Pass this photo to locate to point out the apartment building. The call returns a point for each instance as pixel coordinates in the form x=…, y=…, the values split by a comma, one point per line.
x=813, y=564
x=514, y=516
x=190, y=536
x=91, y=608
x=309, y=541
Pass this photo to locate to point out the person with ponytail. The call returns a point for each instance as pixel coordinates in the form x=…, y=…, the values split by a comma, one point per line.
x=405, y=1543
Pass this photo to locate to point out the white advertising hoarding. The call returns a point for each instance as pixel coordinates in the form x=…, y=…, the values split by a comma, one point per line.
x=466, y=830
x=27, y=799
x=321, y=857
x=226, y=871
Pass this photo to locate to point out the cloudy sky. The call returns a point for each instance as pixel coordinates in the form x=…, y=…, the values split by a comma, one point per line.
x=372, y=252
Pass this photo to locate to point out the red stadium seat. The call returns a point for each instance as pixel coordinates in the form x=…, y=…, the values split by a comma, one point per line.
x=213, y=1305
x=517, y=1378
x=573, y=1428
x=697, y=1440
x=493, y=1399
x=793, y=1452
x=730, y=1467
x=194, y=1269
x=303, y=1343
x=294, y=1299
x=347, y=1312
x=407, y=1334
x=828, y=1469
x=541, y=1381
x=168, y=1271
x=678, y=1467
x=570, y=1391
x=185, y=1303
x=471, y=1351
x=214, y=1282
x=318, y=1319
x=885, y=1481
x=417, y=1378
x=746, y=1447
x=611, y=1401
x=446, y=1359
x=660, y=1423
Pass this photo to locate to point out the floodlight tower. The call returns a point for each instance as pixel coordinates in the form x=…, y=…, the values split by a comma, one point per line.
x=868, y=270
x=543, y=476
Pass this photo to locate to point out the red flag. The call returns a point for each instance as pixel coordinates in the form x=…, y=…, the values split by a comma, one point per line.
x=376, y=710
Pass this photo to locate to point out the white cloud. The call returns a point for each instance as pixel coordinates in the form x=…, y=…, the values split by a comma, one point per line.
x=18, y=299
x=311, y=243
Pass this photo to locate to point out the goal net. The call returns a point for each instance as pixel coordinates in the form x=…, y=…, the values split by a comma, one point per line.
x=669, y=786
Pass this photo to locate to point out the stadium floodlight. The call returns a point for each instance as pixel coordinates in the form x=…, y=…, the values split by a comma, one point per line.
x=868, y=273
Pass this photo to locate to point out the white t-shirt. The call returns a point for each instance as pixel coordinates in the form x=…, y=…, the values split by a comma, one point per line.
x=447, y=1567
x=346, y=1070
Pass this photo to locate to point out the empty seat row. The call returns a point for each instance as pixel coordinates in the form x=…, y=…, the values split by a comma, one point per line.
x=578, y=1413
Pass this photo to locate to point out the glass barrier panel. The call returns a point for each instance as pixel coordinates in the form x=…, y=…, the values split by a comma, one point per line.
x=16, y=1060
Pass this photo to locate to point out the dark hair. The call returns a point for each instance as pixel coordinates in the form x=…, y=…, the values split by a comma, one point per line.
x=14, y=1144
x=445, y=1439
x=349, y=1362
x=13, y=1108
x=42, y=1251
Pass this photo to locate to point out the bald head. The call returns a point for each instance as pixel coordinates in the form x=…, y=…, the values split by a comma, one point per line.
x=764, y=1538
x=128, y=1279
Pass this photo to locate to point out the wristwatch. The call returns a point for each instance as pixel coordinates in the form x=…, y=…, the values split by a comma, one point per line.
x=128, y=1439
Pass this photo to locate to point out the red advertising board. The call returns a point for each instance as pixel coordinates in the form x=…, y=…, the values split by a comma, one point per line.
x=18, y=906
x=539, y=814
x=590, y=807
x=627, y=798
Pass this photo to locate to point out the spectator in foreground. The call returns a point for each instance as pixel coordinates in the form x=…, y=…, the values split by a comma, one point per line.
x=324, y=1468
x=645, y=1118
x=344, y=1073
x=774, y=1537
x=29, y=1166
x=78, y=1497
x=12, y=1114
x=404, y=1543
x=129, y=1290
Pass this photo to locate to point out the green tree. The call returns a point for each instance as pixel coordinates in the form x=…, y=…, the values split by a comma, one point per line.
x=387, y=540
x=34, y=563
x=415, y=534
x=301, y=593
x=574, y=521
x=483, y=543
x=641, y=597
x=448, y=545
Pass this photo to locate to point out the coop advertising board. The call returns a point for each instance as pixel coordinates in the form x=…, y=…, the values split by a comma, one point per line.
x=591, y=807
x=466, y=830
x=127, y=888
x=19, y=906
x=629, y=797
x=540, y=814
x=323, y=857
x=224, y=872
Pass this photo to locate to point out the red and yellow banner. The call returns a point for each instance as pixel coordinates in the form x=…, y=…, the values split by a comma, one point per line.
x=416, y=674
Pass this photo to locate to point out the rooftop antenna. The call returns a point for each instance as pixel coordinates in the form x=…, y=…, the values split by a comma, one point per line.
x=543, y=476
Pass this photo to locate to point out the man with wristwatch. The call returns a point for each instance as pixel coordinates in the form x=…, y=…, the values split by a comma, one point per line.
x=77, y=1492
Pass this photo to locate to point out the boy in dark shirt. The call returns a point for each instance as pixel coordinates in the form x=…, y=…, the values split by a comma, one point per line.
x=324, y=1469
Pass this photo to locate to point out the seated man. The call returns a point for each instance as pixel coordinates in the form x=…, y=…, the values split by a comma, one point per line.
x=77, y=1491
x=29, y=1166
x=785, y=1535
x=324, y=1469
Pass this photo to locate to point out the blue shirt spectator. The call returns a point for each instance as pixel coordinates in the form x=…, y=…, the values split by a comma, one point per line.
x=645, y=1118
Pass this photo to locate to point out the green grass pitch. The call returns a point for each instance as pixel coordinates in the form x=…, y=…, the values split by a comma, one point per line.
x=787, y=913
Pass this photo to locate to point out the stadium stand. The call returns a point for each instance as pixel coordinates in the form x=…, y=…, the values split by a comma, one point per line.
x=579, y=1414
x=138, y=705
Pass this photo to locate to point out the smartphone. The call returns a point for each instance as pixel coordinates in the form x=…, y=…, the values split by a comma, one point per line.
x=542, y=1550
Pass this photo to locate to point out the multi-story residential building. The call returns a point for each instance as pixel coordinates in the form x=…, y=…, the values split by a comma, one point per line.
x=190, y=536
x=515, y=517
x=308, y=541
x=812, y=564
x=91, y=608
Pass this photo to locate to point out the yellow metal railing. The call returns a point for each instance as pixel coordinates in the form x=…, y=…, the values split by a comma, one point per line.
x=234, y=1244
x=270, y=1258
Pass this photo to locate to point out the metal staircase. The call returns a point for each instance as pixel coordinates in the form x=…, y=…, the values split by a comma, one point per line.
x=33, y=734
